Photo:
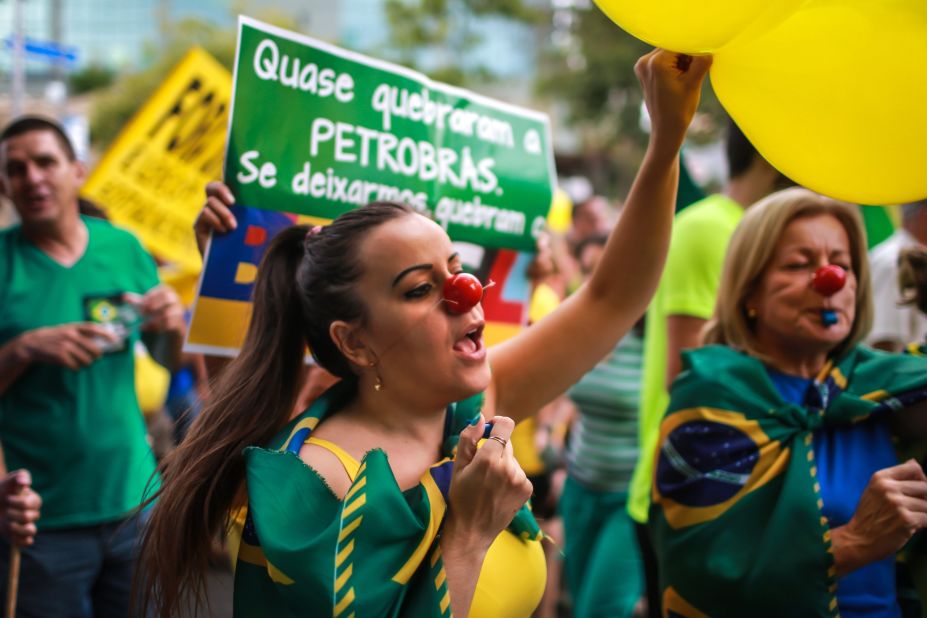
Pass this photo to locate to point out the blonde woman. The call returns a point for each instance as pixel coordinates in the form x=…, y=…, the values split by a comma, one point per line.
x=777, y=488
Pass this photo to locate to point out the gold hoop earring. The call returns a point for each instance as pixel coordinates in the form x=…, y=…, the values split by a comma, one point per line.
x=378, y=385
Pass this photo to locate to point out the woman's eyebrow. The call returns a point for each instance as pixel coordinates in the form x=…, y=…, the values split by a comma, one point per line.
x=410, y=269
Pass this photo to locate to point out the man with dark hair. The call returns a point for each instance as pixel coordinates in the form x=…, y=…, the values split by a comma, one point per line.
x=684, y=301
x=894, y=326
x=28, y=124
x=76, y=295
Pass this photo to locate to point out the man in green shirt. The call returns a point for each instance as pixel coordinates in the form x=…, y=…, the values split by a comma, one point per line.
x=76, y=295
x=684, y=301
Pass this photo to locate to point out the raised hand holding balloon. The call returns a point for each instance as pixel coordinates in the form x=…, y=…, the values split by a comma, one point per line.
x=830, y=92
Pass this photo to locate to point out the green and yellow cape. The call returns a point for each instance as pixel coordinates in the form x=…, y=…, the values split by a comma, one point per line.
x=304, y=552
x=736, y=516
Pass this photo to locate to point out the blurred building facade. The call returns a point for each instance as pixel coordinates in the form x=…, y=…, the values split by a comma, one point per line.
x=124, y=34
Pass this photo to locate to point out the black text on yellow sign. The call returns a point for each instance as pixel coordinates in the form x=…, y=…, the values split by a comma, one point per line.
x=151, y=179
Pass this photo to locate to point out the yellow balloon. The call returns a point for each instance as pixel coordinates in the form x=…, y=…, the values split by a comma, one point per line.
x=696, y=27
x=834, y=97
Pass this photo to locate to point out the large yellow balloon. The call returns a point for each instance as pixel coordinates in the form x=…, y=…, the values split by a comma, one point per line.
x=835, y=97
x=696, y=26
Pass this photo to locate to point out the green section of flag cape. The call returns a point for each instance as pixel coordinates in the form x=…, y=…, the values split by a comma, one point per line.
x=304, y=552
x=736, y=515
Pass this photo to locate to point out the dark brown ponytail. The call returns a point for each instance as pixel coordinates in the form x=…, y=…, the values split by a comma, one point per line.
x=251, y=400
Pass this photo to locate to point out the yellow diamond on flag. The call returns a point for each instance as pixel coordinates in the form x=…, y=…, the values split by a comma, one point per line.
x=103, y=312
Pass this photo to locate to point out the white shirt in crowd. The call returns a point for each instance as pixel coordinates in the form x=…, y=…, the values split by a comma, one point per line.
x=900, y=325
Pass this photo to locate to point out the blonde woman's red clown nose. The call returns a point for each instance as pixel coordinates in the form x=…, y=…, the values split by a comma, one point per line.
x=828, y=280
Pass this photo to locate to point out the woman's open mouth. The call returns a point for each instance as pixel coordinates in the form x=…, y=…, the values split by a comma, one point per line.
x=471, y=344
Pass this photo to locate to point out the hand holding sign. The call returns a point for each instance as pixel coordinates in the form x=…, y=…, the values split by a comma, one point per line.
x=215, y=216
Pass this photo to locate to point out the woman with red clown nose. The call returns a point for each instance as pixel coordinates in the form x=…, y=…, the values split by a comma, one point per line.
x=377, y=500
x=779, y=488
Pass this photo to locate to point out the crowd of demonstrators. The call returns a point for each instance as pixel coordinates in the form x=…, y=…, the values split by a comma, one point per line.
x=531, y=437
x=602, y=562
x=593, y=217
x=590, y=430
x=896, y=325
x=786, y=425
x=68, y=409
x=683, y=303
x=737, y=443
x=365, y=293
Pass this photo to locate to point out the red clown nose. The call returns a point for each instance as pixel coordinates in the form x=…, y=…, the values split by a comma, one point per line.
x=828, y=280
x=462, y=292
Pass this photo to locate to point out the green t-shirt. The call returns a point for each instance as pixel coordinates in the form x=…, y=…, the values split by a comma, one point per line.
x=80, y=433
x=689, y=285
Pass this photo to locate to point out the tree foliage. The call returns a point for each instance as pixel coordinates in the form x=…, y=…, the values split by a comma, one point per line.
x=116, y=106
x=592, y=78
x=585, y=74
x=438, y=37
x=94, y=77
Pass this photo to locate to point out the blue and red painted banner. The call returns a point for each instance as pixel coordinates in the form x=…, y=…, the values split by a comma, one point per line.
x=223, y=308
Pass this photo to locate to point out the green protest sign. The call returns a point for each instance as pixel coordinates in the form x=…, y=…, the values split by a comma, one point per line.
x=318, y=130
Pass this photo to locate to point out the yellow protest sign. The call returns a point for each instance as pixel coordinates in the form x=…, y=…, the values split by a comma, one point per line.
x=151, y=179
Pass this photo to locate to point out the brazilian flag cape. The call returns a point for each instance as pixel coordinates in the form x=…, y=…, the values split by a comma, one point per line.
x=736, y=515
x=304, y=552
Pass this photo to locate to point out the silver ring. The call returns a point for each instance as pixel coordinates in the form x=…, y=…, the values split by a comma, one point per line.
x=501, y=441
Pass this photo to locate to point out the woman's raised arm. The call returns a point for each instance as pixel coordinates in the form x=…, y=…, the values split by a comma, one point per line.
x=539, y=364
